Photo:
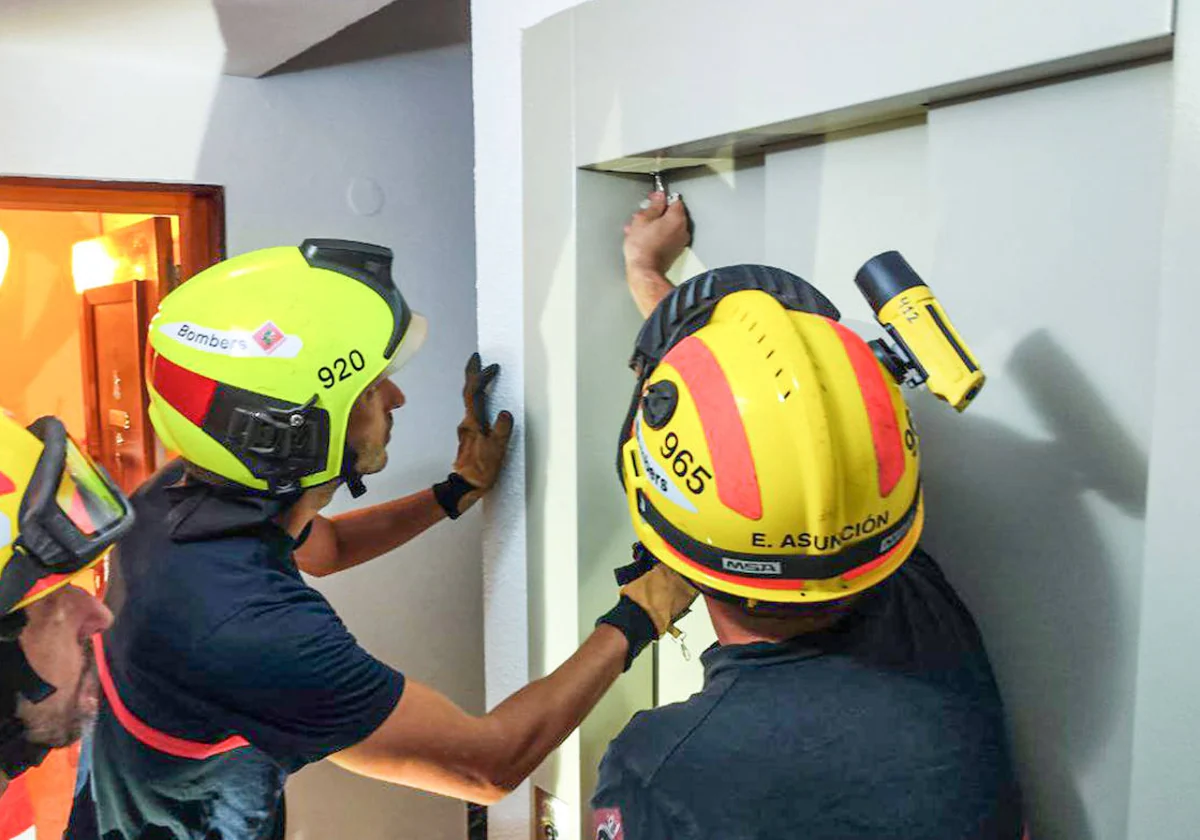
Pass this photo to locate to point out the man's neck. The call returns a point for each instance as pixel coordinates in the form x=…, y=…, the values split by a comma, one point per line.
x=297, y=517
x=734, y=627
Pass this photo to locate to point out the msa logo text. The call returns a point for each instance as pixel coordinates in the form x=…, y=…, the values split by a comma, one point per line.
x=752, y=567
x=889, y=542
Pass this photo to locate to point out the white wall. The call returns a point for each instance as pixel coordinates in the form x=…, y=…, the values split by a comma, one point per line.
x=1166, y=774
x=768, y=62
x=496, y=34
x=286, y=149
x=615, y=114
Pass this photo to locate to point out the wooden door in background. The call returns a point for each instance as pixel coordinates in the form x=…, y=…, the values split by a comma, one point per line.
x=115, y=319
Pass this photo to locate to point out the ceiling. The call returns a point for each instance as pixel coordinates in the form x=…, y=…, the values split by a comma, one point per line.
x=255, y=37
x=260, y=35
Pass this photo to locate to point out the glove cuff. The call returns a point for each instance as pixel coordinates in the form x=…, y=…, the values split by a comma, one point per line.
x=449, y=493
x=634, y=622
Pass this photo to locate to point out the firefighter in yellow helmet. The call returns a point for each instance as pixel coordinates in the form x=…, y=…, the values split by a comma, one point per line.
x=59, y=513
x=769, y=458
x=270, y=375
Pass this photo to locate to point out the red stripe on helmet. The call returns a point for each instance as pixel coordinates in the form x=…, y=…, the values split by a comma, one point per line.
x=872, y=565
x=733, y=464
x=885, y=431
x=148, y=735
x=6, y=485
x=48, y=582
x=188, y=393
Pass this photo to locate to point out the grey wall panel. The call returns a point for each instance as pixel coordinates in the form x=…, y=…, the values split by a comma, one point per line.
x=736, y=67
x=1036, y=217
x=606, y=322
x=1049, y=205
x=1166, y=774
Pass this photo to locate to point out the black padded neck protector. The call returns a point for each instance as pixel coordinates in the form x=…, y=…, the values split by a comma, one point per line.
x=17, y=680
x=689, y=307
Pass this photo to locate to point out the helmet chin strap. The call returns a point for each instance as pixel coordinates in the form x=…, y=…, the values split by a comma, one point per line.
x=350, y=475
x=17, y=680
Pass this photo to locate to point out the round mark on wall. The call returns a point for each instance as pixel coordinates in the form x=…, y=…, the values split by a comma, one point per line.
x=364, y=196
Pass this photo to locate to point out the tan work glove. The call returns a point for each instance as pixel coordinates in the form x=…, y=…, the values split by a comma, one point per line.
x=653, y=598
x=481, y=445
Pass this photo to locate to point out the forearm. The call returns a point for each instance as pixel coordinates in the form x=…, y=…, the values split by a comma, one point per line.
x=648, y=286
x=362, y=535
x=429, y=743
x=530, y=724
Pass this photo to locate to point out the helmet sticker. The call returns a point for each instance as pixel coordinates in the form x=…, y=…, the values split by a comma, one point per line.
x=890, y=541
x=752, y=567
x=267, y=340
x=659, y=475
x=6, y=485
x=6, y=535
x=269, y=337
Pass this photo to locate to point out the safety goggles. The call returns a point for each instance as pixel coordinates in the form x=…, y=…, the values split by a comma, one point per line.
x=71, y=511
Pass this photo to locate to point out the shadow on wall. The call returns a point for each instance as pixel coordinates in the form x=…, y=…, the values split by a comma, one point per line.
x=1018, y=532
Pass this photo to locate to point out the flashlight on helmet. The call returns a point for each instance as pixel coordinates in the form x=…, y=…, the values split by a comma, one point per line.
x=927, y=350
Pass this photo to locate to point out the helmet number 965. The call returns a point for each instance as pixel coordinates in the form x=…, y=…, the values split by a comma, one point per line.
x=683, y=464
x=341, y=369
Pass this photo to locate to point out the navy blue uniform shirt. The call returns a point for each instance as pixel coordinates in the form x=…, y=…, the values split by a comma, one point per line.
x=219, y=637
x=889, y=725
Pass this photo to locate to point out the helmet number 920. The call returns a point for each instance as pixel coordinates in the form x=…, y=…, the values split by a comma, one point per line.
x=683, y=464
x=341, y=369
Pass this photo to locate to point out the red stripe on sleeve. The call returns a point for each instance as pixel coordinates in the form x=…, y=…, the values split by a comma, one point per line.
x=148, y=735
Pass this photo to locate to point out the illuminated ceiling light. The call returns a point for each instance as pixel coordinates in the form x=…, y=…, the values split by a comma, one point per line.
x=92, y=266
x=3, y=255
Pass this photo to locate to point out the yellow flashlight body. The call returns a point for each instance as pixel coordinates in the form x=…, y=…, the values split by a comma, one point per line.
x=906, y=307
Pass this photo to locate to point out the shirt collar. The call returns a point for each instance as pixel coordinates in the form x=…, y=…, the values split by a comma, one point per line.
x=201, y=511
x=720, y=658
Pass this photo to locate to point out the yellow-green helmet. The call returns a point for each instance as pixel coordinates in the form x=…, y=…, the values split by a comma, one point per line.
x=255, y=363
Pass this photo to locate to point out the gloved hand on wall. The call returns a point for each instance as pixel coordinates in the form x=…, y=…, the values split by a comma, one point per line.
x=653, y=598
x=481, y=444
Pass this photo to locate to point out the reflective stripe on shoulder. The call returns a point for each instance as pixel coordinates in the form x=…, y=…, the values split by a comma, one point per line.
x=148, y=735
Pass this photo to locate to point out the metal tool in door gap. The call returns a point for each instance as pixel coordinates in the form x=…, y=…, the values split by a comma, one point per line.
x=660, y=185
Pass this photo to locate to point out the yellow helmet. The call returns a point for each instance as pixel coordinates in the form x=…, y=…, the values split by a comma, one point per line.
x=59, y=512
x=767, y=454
x=256, y=362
